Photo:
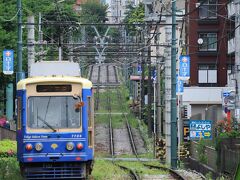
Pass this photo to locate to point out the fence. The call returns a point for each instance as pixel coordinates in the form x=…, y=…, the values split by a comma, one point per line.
x=225, y=160
x=7, y=134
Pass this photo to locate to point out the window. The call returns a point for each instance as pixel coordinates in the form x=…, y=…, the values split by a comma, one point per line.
x=208, y=10
x=207, y=74
x=209, y=42
x=53, y=112
x=230, y=72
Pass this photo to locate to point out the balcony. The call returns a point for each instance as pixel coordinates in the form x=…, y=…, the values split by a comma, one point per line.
x=231, y=9
x=231, y=46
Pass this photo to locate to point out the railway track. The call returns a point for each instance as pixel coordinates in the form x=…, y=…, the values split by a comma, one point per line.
x=99, y=77
x=113, y=141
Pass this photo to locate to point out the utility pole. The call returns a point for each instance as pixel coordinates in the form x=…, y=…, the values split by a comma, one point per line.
x=102, y=43
x=20, y=73
x=149, y=119
x=60, y=47
x=237, y=56
x=158, y=88
x=40, y=36
x=167, y=54
x=173, y=91
x=142, y=78
x=31, y=42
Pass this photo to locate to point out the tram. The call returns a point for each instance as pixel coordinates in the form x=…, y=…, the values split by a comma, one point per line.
x=55, y=126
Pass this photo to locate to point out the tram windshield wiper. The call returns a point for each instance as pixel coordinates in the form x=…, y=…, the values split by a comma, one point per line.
x=48, y=125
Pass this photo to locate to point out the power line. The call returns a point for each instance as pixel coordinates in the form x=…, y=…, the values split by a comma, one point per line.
x=7, y=20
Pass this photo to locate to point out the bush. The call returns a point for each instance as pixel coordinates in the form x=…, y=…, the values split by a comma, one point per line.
x=8, y=148
x=9, y=169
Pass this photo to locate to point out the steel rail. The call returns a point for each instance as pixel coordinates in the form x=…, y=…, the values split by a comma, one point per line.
x=172, y=172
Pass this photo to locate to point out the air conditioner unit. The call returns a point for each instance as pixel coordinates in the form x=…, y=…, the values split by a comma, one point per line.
x=197, y=5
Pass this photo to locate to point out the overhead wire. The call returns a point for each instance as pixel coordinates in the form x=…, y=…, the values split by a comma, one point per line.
x=11, y=19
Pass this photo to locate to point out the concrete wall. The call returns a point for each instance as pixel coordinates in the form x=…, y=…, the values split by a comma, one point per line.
x=7, y=134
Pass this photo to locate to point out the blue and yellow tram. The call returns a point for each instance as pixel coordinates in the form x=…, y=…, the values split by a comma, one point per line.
x=55, y=127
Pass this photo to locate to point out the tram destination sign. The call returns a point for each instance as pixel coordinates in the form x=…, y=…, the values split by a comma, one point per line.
x=200, y=129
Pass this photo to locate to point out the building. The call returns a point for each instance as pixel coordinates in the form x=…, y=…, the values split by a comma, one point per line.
x=118, y=9
x=78, y=3
x=207, y=29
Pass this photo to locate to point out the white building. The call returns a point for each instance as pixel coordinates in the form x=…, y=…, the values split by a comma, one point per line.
x=118, y=8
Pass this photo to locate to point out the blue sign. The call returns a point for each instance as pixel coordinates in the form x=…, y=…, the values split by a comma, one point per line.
x=8, y=62
x=139, y=68
x=179, y=86
x=225, y=94
x=200, y=129
x=184, y=67
x=154, y=75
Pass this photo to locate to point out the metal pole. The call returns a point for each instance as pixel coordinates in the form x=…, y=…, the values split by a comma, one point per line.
x=154, y=116
x=173, y=92
x=158, y=87
x=9, y=102
x=149, y=119
x=237, y=56
x=31, y=42
x=60, y=48
x=40, y=36
x=20, y=73
x=167, y=54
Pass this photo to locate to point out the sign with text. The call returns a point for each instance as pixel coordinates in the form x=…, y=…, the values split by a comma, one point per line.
x=8, y=61
x=186, y=133
x=184, y=67
x=139, y=68
x=179, y=86
x=154, y=75
x=200, y=129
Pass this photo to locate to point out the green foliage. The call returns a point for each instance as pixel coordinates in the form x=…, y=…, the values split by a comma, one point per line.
x=8, y=148
x=201, y=152
x=9, y=169
x=208, y=176
x=141, y=169
x=113, y=172
x=134, y=15
x=93, y=12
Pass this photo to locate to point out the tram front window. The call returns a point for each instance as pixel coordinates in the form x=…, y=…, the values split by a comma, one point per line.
x=53, y=112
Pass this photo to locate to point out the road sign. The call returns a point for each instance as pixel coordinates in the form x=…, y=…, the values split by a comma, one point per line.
x=184, y=67
x=154, y=75
x=179, y=86
x=200, y=129
x=228, y=98
x=8, y=61
x=139, y=68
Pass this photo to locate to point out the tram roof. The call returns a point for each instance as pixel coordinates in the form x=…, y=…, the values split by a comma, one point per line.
x=54, y=79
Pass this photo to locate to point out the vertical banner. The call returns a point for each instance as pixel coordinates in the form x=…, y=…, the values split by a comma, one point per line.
x=184, y=67
x=154, y=75
x=8, y=62
x=139, y=69
x=179, y=86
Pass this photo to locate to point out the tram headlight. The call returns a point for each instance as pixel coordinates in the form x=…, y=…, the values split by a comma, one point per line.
x=28, y=147
x=69, y=146
x=38, y=146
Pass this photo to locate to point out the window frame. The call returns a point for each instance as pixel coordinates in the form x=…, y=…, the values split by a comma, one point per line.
x=63, y=129
x=205, y=9
x=206, y=36
x=209, y=68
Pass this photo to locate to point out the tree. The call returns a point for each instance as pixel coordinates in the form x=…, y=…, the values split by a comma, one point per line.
x=134, y=15
x=93, y=12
